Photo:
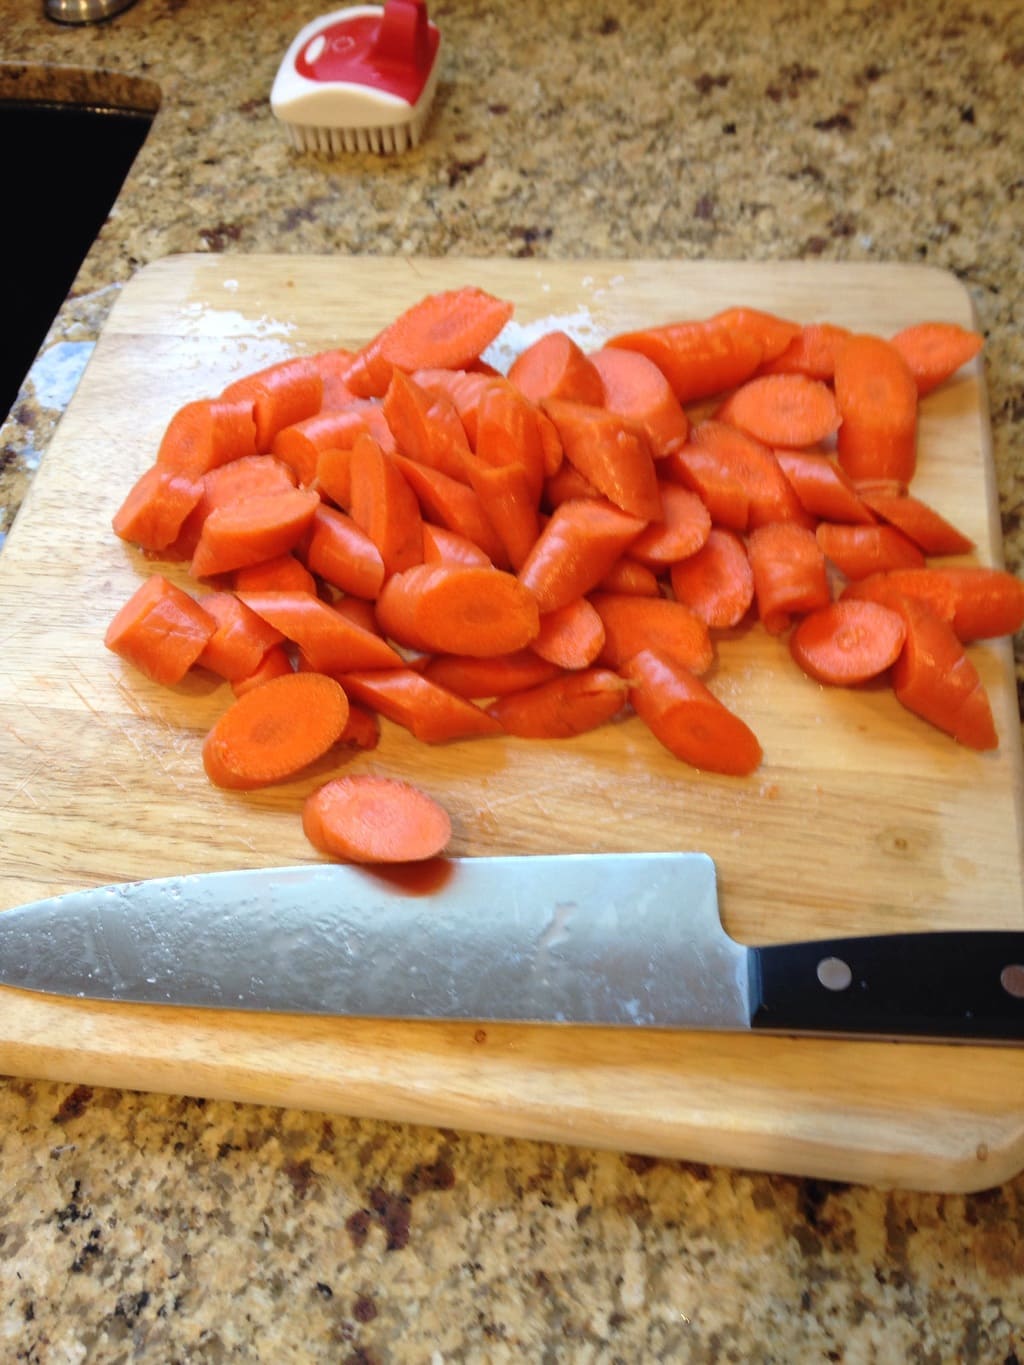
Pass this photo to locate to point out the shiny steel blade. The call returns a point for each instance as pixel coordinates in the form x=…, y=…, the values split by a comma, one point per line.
x=620, y=939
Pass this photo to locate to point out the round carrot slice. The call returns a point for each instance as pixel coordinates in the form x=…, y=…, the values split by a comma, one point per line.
x=848, y=641
x=366, y=818
x=275, y=730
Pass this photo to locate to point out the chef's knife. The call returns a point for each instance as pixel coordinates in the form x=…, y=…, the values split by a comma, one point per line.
x=632, y=940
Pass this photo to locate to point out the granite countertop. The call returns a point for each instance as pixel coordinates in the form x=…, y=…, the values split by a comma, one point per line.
x=174, y=1229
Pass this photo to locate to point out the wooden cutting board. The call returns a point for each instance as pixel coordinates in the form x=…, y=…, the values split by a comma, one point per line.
x=862, y=818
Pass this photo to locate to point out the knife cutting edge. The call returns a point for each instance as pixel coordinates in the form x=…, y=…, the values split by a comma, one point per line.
x=622, y=940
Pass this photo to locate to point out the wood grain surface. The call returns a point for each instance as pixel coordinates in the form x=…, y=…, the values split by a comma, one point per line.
x=862, y=818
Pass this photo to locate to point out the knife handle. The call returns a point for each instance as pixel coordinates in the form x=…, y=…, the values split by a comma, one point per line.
x=959, y=986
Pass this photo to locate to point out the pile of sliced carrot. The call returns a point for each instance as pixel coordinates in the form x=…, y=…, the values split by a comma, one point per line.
x=404, y=531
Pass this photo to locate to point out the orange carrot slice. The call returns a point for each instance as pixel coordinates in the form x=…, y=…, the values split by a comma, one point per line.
x=611, y=453
x=281, y=574
x=848, y=642
x=272, y=732
x=680, y=531
x=571, y=636
x=365, y=818
x=429, y=711
x=454, y=505
x=301, y=444
x=877, y=398
x=688, y=719
x=330, y=642
x=384, y=506
x=934, y=351
x=786, y=410
x=716, y=583
x=256, y=528
x=274, y=664
x=455, y=610
x=857, y=551
x=635, y=623
x=207, y=433
x=790, y=577
x=823, y=488
x=160, y=630
x=494, y=677
x=441, y=546
x=928, y=529
x=241, y=640
x=425, y=426
x=634, y=388
x=555, y=366
x=447, y=330
x=281, y=394
x=568, y=705
x=697, y=358
x=812, y=352
x=156, y=507
x=580, y=542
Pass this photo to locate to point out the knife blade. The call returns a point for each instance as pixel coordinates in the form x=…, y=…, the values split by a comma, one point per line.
x=626, y=940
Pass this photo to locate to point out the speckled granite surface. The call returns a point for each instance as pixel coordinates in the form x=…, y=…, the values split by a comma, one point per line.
x=136, y=1227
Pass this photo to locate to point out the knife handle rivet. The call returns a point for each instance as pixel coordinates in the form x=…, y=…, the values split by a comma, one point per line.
x=834, y=974
x=1011, y=978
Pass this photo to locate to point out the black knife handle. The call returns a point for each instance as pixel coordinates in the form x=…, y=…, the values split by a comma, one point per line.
x=963, y=986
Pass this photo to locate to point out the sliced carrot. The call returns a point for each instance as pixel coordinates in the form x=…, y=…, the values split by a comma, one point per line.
x=256, y=528
x=772, y=333
x=207, y=433
x=331, y=366
x=579, y=544
x=334, y=475
x=848, y=642
x=613, y=454
x=225, y=486
x=508, y=497
x=754, y=467
x=723, y=490
x=928, y=529
x=567, y=484
x=857, y=551
x=981, y=603
x=495, y=677
x=687, y=718
x=635, y=623
x=240, y=641
x=812, y=352
x=555, y=366
x=571, y=636
x=633, y=387
x=447, y=330
x=823, y=488
x=934, y=678
x=282, y=394
x=360, y=611
x=362, y=729
x=341, y=552
x=330, y=642
x=383, y=504
x=281, y=574
x=453, y=609
x=927, y=586
x=877, y=398
x=463, y=388
x=628, y=575
x=568, y=705
x=509, y=432
x=680, y=531
x=426, y=426
x=786, y=410
x=365, y=818
x=274, y=664
x=156, y=506
x=790, y=576
x=454, y=505
x=442, y=546
x=934, y=351
x=301, y=444
x=697, y=358
x=272, y=732
x=160, y=630
x=430, y=712
x=716, y=583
